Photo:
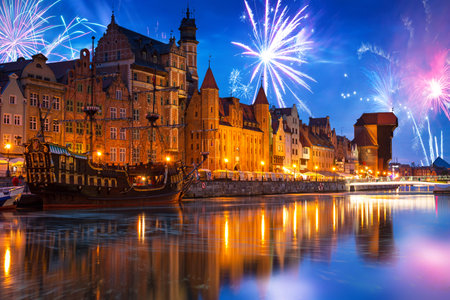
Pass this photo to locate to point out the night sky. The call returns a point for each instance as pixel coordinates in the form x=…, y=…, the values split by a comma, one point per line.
x=338, y=29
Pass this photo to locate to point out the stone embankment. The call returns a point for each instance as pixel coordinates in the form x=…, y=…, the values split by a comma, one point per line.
x=252, y=188
x=207, y=189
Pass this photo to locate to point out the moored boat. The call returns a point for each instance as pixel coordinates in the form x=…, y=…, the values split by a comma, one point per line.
x=64, y=179
x=9, y=196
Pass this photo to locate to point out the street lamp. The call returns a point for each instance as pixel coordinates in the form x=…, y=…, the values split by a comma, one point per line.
x=334, y=174
x=226, y=168
x=316, y=167
x=8, y=147
x=168, y=158
x=99, y=155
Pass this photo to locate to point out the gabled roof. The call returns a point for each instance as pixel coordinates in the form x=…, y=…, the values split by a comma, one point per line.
x=275, y=125
x=13, y=67
x=61, y=69
x=320, y=141
x=209, y=82
x=320, y=122
x=381, y=118
x=248, y=114
x=261, y=97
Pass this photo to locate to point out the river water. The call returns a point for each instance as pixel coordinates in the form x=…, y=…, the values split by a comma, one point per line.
x=328, y=246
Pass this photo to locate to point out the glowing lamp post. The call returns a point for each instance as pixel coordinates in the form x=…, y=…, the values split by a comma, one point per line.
x=316, y=167
x=99, y=156
x=262, y=169
x=294, y=166
x=226, y=168
x=168, y=159
x=8, y=147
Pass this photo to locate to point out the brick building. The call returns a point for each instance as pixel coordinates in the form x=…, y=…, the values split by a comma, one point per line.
x=236, y=135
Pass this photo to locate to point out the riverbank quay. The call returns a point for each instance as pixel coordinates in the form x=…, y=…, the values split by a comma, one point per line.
x=222, y=188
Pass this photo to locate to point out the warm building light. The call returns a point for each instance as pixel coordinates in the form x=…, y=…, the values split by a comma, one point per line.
x=389, y=173
x=8, y=146
x=367, y=168
x=262, y=163
x=167, y=158
x=7, y=261
x=334, y=169
x=143, y=178
x=226, y=160
x=384, y=173
x=294, y=166
x=99, y=153
x=316, y=167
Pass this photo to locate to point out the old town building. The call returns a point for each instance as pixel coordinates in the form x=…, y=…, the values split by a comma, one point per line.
x=159, y=77
x=292, y=120
x=373, y=136
x=236, y=135
x=280, y=149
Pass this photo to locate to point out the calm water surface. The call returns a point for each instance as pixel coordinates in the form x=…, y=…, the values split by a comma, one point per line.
x=336, y=246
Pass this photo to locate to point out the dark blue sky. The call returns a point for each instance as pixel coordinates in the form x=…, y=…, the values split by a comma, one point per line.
x=340, y=27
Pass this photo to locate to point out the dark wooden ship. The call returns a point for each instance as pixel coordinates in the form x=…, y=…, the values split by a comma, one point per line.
x=64, y=179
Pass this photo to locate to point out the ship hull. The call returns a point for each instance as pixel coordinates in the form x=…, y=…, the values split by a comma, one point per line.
x=59, y=196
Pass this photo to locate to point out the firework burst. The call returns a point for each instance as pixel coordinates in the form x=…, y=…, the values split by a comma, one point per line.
x=25, y=27
x=279, y=45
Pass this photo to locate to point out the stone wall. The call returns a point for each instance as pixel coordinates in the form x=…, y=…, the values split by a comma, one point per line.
x=251, y=188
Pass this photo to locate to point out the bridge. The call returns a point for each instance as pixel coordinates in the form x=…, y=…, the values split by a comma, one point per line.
x=400, y=181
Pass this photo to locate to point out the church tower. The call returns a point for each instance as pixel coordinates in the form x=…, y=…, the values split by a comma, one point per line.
x=210, y=118
x=188, y=42
x=262, y=115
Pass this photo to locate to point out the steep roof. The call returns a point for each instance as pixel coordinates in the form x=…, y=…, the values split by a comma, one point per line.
x=261, y=97
x=381, y=118
x=320, y=141
x=13, y=67
x=61, y=69
x=320, y=122
x=286, y=111
x=275, y=125
x=209, y=82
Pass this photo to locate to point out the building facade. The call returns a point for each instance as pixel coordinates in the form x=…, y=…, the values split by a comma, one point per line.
x=235, y=135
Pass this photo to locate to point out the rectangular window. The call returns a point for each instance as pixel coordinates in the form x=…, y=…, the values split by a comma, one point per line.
x=6, y=139
x=113, y=133
x=149, y=98
x=113, y=113
x=100, y=110
x=79, y=107
x=33, y=123
x=122, y=154
x=98, y=130
x=46, y=125
x=119, y=94
x=136, y=135
x=34, y=99
x=69, y=105
x=12, y=99
x=135, y=114
x=136, y=153
x=17, y=140
x=79, y=147
x=6, y=118
x=79, y=87
x=45, y=102
x=113, y=154
x=88, y=128
x=135, y=76
x=135, y=97
x=56, y=103
x=80, y=128
x=69, y=127
x=106, y=57
x=55, y=126
x=123, y=134
x=118, y=55
x=123, y=113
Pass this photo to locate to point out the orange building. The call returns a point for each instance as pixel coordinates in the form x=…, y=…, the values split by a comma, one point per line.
x=236, y=135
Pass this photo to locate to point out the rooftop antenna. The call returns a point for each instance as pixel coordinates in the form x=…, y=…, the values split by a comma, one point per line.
x=209, y=61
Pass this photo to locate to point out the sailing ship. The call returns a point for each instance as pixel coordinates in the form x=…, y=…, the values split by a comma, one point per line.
x=65, y=179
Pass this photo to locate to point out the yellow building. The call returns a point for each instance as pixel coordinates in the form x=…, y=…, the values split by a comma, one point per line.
x=236, y=135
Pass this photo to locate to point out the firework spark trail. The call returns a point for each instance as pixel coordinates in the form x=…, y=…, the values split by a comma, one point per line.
x=407, y=22
x=237, y=88
x=430, y=140
x=365, y=47
x=436, y=145
x=420, y=138
x=25, y=26
x=279, y=46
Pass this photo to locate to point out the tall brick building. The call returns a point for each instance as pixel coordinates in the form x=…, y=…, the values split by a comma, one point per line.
x=145, y=63
x=236, y=135
x=373, y=135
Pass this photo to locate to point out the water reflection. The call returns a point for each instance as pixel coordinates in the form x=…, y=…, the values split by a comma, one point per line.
x=195, y=252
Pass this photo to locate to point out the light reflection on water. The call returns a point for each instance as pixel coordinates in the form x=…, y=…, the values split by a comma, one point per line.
x=283, y=247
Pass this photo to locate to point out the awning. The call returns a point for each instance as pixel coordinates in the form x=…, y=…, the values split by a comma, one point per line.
x=61, y=150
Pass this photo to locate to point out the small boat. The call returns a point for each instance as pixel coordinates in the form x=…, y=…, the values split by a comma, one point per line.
x=442, y=189
x=9, y=196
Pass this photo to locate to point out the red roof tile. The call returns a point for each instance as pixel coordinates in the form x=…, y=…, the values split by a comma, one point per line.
x=209, y=82
x=382, y=118
x=261, y=97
